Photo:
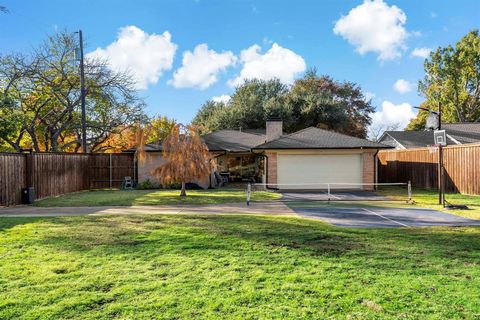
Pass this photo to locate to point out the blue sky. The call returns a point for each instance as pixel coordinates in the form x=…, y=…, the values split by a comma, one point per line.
x=370, y=43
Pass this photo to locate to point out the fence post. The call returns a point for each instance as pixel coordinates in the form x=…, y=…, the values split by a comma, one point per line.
x=29, y=169
x=409, y=188
x=249, y=191
x=134, y=169
x=110, y=171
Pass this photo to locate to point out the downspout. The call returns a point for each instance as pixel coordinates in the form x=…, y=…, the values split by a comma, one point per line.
x=376, y=167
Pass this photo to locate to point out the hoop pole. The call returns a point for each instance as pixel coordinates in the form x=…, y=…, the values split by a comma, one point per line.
x=440, y=174
x=249, y=191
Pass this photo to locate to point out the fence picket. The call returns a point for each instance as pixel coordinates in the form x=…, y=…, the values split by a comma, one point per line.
x=461, y=164
x=54, y=174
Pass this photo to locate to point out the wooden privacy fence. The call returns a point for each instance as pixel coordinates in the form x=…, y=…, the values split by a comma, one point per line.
x=53, y=174
x=420, y=166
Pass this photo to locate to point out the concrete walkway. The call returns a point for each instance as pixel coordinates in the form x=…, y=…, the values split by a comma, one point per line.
x=266, y=208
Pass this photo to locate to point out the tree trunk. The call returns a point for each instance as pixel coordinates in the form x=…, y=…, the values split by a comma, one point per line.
x=183, y=192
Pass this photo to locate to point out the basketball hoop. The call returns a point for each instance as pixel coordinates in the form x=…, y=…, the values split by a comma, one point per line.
x=440, y=137
x=433, y=121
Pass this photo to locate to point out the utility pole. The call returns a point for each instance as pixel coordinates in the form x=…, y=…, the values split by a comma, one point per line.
x=441, y=192
x=82, y=95
x=440, y=169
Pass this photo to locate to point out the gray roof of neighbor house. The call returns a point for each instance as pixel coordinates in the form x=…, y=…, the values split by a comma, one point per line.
x=412, y=139
x=466, y=132
x=457, y=133
x=467, y=127
x=315, y=138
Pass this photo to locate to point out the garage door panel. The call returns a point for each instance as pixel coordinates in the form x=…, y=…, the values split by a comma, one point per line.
x=314, y=169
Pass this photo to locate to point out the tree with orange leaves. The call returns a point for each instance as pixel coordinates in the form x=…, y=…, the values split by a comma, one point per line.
x=186, y=155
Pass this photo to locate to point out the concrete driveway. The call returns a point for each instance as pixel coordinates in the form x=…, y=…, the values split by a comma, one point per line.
x=265, y=208
x=352, y=214
x=359, y=216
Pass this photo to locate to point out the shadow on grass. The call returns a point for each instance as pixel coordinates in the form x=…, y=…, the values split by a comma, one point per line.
x=145, y=236
x=10, y=223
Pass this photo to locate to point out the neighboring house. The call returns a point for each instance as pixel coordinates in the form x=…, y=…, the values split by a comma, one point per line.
x=457, y=133
x=300, y=160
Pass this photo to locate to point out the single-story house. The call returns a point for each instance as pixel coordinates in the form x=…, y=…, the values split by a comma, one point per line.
x=300, y=160
x=457, y=133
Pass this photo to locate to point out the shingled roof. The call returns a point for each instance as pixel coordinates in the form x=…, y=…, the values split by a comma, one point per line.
x=247, y=140
x=457, y=133
x=466, y=132
x=223, y=140
x=233, y=140
x=315, y=138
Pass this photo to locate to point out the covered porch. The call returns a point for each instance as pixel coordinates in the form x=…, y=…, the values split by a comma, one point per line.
x=240, y=167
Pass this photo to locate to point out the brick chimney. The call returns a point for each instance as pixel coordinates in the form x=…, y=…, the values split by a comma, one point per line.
x=274, y=128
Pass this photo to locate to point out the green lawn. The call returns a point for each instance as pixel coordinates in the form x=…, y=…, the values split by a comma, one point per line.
x=242, y=267
x=429, y=199
x=151, y=197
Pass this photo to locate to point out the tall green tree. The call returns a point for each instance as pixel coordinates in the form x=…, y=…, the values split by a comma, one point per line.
x=312, y=100
x=452, y=79
x=209, y=117
x=249, y=106
x=323, y=102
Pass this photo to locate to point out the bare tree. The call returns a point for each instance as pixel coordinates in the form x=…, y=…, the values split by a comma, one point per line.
x=376, y=132
x=45, y=88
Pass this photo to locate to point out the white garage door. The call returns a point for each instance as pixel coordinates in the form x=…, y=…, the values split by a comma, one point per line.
x=314, y=169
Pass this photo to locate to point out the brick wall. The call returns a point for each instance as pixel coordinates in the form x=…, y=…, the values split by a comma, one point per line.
x=145, y=169
x=368, y=169
x=272, y=167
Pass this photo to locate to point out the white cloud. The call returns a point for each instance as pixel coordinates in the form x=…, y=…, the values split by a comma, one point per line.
x=421, y=52
x=223, y=98
x=277, y=62
x=374, y=26
x=145, y=55
x=402, y=86
x=200, y=68
x=392, y=115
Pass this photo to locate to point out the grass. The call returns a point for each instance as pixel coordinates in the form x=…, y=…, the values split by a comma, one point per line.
x=151, y=197
x=429, y=199
x=242, y=267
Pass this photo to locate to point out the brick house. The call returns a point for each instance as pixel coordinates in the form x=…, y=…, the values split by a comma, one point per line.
x=300, y=160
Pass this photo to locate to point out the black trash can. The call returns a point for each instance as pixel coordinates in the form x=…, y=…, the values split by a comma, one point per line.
x=28, y=195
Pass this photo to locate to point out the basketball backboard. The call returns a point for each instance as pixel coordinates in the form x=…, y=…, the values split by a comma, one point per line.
x=440, y=137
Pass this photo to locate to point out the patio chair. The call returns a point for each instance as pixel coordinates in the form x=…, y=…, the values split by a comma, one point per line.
x=221, y=179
